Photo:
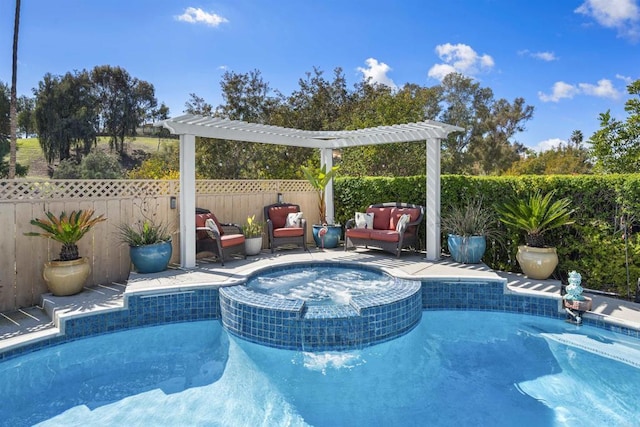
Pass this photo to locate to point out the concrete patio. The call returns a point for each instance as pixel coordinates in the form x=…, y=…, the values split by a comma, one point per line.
x=32, y=324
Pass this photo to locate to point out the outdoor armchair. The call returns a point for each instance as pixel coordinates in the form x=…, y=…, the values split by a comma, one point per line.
x=282, y=233
x=223, y=240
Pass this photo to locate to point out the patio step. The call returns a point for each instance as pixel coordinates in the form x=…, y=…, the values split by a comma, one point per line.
x=24, y=321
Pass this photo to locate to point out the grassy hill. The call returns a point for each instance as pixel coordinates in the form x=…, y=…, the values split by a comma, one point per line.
x=30, y=154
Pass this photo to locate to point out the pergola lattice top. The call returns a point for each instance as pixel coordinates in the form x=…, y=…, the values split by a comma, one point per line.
x=236, y=130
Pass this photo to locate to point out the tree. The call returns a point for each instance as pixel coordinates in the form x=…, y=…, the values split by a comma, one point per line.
x=569, y=158
x=14, y=100
x=380, y=105
x=66, y=115
x=5, y=130
x=26, y=116
x=486, y=145
x=616, y=145
x=125, y=103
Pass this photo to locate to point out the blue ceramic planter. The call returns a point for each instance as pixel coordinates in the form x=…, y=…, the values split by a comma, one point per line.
x=151, y=258
x=328, y=240
x=467, y=249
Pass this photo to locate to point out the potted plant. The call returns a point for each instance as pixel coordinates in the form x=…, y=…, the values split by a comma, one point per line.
x=252, y=231
x=149, y=243
x=535, y=216
x=67, y=274
x=468, y=226
x=325, y=235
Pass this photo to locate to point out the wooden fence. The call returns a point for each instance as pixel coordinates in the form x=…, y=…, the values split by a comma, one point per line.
x=22, y=257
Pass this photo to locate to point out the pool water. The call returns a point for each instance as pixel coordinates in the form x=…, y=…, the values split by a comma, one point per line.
x=320, y=284
x=455, y=368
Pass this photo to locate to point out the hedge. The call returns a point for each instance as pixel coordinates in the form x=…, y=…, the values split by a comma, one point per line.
x=594, y=246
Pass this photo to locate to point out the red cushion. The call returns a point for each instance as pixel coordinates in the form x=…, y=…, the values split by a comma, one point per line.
x=385, y=235
x=396, y=213
x=358, y=233
x=288, y=232
x=381, y=218
x=278, y=215
x=231, y=240
x=201, y=219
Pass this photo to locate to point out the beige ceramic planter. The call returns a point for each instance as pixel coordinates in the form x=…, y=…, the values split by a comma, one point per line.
x=66, y=277
x=253, y=245
x=537, y=263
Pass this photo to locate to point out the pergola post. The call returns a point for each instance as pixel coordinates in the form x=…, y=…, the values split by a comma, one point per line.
x=187, y=201
x=326, y=158
x=432, y=232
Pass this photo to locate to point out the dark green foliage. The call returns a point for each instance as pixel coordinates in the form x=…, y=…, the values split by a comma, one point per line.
x=594, y=245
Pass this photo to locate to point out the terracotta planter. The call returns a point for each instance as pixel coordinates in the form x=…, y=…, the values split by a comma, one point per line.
x=253, y=245
x=66, y=277
x=537, y=263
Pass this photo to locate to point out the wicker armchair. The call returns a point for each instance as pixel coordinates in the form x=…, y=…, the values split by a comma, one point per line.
x=279, y=235
x=223, y=240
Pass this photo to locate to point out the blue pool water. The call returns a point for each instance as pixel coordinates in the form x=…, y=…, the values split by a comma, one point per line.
x=454, y=368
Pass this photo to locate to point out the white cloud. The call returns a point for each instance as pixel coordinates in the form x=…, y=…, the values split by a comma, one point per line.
x=561, y=90
x=604, y=89
x=544, y=56
x=622, y=15
x=626, y=79
x=194, y=15
x=377, y=71
x=549, y=144
x=459, y=58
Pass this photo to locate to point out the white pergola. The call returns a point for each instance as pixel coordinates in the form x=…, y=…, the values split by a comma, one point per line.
x=189, y=126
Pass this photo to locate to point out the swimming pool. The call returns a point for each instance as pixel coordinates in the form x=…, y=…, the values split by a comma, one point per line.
x=454, y=368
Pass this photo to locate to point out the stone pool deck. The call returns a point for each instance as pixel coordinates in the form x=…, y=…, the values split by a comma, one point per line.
x=39, y=323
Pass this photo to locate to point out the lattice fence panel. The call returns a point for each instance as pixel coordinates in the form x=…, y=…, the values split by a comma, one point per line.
x=21, y=282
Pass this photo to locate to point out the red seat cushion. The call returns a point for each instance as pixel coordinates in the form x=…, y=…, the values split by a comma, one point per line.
x=358, y=233
x=229, y=240
x=381, y=218
x=385, y=235
x=288, y=232
x=278, y=215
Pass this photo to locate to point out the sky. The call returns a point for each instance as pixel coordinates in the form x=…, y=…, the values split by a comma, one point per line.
x=571, y=60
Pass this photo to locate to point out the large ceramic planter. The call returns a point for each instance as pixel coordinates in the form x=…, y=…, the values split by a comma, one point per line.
x=537, y=263
x=327, y=236
x=151, y=258
x=66, y=277
x=466, y=249
x=253, y=245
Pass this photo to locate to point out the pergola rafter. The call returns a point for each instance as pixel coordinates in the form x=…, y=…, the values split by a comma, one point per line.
x=189, y=126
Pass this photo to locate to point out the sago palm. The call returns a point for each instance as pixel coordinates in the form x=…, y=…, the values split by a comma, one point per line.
x=66, y=229
x=536, y=215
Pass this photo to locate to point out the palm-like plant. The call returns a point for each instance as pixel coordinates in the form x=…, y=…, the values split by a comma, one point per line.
x=536, y=215
x=319, y=179
x=66, y=229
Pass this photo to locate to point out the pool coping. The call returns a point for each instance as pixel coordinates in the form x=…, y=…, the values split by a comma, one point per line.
x=610, y=312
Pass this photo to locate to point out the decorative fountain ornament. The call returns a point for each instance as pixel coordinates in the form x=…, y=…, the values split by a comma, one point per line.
x=575, y=304
x=574, y=290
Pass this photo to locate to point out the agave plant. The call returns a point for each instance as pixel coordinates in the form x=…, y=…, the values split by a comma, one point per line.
x=319, y=179
x=66, y=229
x=143, y=233
x=470, y=219
x=536, y=215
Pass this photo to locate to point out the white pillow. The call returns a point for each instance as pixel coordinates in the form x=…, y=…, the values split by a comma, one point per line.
x=211, y=225
x=294, y=220
x=364, y=220
x=402, y=222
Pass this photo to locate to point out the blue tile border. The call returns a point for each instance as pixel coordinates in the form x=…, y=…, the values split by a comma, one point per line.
x=204, y=303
